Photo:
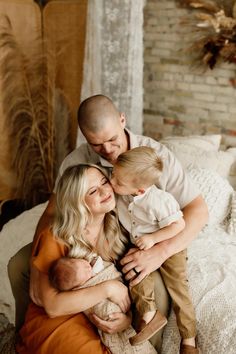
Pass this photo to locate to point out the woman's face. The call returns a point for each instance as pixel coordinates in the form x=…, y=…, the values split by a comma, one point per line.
x=100, y=196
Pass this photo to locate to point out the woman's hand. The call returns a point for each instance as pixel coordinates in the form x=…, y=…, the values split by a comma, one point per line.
x=118, y=293
x=117, y=322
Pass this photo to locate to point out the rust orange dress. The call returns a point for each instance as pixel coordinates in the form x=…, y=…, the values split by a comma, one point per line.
x=70, y=334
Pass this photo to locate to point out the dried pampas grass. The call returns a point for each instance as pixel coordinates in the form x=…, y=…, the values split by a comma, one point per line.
x=208, y=5
x=213, y=28
x=36, y=114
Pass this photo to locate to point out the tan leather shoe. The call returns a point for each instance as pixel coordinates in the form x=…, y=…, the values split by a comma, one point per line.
x=188, y=349
x=149, y=329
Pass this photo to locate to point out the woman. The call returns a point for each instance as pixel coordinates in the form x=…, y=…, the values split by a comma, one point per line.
x=84, y=216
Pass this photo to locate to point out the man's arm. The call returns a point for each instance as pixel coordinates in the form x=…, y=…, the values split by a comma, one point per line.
x=145, y=262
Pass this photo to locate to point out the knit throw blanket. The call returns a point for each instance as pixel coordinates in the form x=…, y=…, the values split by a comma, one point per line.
x=7, y=336
x=117, y=343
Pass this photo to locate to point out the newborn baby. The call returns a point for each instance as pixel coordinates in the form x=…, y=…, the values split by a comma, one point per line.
x=68, y=273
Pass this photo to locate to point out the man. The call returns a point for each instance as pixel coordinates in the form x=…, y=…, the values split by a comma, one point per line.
x=104, y=129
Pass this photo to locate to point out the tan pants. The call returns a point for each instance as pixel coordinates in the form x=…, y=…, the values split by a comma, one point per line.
x=173, y=272
x=143, y=295
x=18, y=272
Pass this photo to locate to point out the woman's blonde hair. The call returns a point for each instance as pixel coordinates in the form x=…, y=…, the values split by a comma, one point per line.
x=73, y=215
x=142, y=165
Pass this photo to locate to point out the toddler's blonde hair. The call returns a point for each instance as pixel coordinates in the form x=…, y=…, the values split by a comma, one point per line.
x=142, y=165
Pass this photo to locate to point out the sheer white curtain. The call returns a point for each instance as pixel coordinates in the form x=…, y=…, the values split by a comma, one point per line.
x=113, y=63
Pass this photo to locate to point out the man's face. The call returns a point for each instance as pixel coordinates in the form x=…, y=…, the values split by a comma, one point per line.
x=111, y=141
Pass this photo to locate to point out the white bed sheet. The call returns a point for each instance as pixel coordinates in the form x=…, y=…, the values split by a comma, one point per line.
x=212, y=281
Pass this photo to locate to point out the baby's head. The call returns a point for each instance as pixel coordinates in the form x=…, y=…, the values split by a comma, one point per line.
x=136, y=170
x=67, y=273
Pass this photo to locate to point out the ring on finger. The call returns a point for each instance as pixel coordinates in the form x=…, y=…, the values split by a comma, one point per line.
x=135, y=271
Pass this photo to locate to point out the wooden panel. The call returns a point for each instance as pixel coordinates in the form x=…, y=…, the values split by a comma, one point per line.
x=61, y=22
x=64, y=22
x=26, y=20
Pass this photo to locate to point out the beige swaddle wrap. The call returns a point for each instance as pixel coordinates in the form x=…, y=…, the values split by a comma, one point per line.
x=118, y=343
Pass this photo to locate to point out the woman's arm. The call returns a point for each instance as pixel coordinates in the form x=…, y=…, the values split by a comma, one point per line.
x=145, y=262
x=58, y=303
x=46, y=218
x=147, y=241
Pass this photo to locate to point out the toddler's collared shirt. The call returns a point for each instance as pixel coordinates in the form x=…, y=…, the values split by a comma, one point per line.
x=148, y=212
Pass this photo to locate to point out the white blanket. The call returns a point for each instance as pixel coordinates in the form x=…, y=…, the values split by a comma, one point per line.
x=212, y=280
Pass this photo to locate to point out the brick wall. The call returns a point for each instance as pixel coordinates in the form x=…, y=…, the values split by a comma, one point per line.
x=180, y=99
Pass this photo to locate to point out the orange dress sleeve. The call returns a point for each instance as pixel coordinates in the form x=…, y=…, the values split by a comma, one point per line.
x=46, y=250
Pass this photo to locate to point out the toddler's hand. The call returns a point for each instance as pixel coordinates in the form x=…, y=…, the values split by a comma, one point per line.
x=145, y=242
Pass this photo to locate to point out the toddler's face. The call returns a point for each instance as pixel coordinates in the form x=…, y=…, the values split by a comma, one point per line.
x=121, y=183
x=83, y=270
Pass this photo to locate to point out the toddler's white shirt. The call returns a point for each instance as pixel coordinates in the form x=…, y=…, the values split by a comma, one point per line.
x=148, y=212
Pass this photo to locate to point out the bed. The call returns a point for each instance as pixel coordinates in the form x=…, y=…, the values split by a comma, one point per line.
x=211, y=257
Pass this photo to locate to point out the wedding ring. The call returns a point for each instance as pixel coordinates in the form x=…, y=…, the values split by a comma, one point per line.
x=135, y=271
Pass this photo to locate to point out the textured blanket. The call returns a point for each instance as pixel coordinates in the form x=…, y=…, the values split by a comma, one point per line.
x=7, y=336
x=117, y=343
x=212, y=281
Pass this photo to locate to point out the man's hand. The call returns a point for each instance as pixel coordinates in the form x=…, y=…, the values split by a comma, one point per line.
x=145, y=242
x=116, y=323
x=144, y=262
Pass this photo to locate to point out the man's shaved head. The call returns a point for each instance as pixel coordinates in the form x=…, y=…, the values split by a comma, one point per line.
x=95, y=112
x=103, y=126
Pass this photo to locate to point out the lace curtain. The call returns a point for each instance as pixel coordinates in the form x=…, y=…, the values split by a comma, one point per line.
x=113, y=63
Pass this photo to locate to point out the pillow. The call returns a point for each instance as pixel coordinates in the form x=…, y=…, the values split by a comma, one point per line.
x=232, y=181
x=216, y=191
x=218, y=161
x=232, y=172
x=15, y=234
x=232, y=220
x=205, y=142
x=232, y=151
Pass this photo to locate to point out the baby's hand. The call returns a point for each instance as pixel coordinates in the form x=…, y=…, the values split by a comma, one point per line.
x=145, y=242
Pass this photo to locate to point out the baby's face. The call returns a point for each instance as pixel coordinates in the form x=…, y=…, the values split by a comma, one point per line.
x=83, y=270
